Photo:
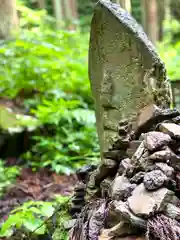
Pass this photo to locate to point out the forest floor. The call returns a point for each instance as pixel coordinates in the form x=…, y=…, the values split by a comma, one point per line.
x=38, y=186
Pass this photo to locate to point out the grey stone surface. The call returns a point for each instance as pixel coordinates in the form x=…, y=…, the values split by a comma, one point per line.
x=133, y=147
x=167, y=170
x=137, y=178
x=162, y=155
x=120, y=230
x=166, y=156
x=156, y=140
x=124, y=165
x=124, y=70
x=139, y=152
x=171, y=128
x=116, y=155
x=154, y=180
x=123, y=210
x=144, y=203
x=121, y=188
x=146, y=115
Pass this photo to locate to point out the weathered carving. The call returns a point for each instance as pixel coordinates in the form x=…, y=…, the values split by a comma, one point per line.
x=125, y=71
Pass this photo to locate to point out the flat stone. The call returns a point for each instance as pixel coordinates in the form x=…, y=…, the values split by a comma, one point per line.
x=166, y=169
x=121, y=143
x=156, y=140
x=80, y=187
x=92, y=193
x=79, y=194
x=144, y=203
x=121, y=209
x=124, y=165
x=105, y=186
x=144, y=162
x=121, y=188
x=139, y=152
x=171, y=128
x=172, y=211
x=166, y=156
x=152, y=115
x=176, y=119
x=162, y=155
x=137, y=178
x=154, y=180
x=147, y=114
x=74, y=209
x=107, y=167
x=116, y=155
x=79, y=200
x=83, y=172
x=133, y=147
x=121, y=229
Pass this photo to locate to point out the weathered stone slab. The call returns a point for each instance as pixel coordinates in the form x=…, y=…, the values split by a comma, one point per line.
x=116, y=155
x=120, y=230
x=166, y=156
x=133, y=147
x=139, y=152
x=122, y=209
x=144, y=203
x=124, y=165
x=147, y=115
x=156, y=140
x=167, y=170
x=171, y=128
x=121, y=188
x=124, y=70
x=152, y=115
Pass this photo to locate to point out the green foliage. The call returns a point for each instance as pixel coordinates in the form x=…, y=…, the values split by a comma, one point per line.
x=136, y=10
x=55, y=64
x=70, y=143
x=7, y=176
x=170, y=50
x=32, y=217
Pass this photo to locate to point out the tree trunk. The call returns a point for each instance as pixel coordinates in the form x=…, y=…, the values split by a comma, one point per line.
x=150, y=19
x=42, y=4
x=58, y=12
x=126, y=4
x=8, y=18
x=71, y=14
x=161, y=17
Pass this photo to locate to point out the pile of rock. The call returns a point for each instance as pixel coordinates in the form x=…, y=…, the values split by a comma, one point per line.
x=138, y=182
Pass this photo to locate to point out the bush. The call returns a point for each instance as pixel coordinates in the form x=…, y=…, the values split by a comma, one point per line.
x=170, y=50
x=36, y=218
x=7, y=176
x=54, y=63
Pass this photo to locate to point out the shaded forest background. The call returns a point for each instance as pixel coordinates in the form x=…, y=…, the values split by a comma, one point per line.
x=47, y=121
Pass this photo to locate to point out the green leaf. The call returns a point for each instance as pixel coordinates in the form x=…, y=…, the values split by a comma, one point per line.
x=47, y=210
x=34, y=224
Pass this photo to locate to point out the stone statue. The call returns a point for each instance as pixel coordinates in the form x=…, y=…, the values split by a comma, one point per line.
x=125, y=71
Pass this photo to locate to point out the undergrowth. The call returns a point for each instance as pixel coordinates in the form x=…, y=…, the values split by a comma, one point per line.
x=53, y=63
